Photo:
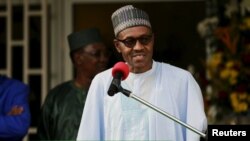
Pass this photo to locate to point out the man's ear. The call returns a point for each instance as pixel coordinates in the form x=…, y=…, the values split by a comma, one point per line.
x=117, y=45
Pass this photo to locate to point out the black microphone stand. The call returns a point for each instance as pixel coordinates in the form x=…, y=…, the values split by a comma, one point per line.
x=129, y=94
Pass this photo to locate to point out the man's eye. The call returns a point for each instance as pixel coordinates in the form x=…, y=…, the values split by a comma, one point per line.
x=145, y=40
x=129, y=41
x=97, y=54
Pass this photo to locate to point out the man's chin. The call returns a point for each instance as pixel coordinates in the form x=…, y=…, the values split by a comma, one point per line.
x=102, y=69
x=138, y=65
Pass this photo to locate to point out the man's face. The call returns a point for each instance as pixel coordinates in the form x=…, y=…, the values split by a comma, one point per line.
x=93, y=58
x=136, y=46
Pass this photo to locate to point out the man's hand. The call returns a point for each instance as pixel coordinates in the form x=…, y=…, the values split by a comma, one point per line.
x=16, y=110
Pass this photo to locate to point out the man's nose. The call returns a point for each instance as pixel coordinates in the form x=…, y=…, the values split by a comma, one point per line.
x=104, y=57
x=138, y=46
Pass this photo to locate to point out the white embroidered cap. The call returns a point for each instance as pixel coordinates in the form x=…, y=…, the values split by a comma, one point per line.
x=129, y=16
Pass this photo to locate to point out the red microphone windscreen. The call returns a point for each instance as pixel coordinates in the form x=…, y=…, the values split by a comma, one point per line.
x=121, y=67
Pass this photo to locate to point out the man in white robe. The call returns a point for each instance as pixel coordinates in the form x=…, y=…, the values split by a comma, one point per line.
x=169, y=88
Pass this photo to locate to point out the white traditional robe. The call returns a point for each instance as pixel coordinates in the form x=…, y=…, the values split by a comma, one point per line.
x=118, y=117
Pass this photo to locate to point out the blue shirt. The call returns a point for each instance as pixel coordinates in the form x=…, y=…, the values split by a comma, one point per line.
x=13, y=93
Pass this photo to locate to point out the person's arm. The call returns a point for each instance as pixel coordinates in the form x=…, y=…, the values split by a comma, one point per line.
x=195, y=110
x=92, y=122
x=15, y=120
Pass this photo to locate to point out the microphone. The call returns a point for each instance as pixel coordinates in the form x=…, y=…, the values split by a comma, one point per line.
x=120, y=72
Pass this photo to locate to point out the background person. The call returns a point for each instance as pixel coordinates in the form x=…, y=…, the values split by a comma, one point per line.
x=14, y=109
x=62, y=110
